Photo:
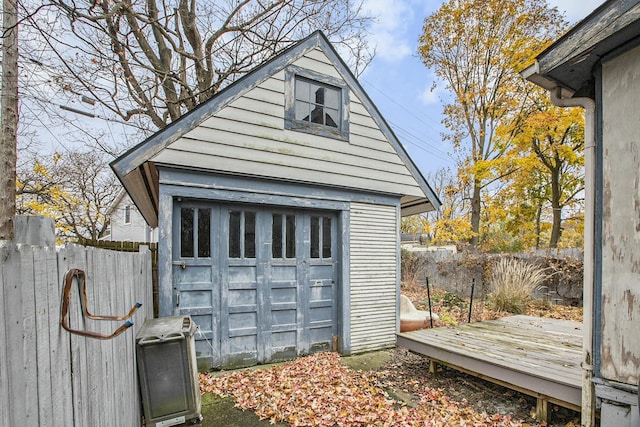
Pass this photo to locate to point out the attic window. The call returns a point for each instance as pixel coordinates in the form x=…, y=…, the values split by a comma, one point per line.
x=316, y=104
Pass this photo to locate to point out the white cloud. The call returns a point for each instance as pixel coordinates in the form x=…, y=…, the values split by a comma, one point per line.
x=429, y=96
x=389, y=31
x=432, y=95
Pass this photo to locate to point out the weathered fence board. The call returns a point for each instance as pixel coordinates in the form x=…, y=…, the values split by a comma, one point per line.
x=59, y=351
x=27, y=282
x=16, y=391
x=49, y=377
x=4, y=349
x=42, y=320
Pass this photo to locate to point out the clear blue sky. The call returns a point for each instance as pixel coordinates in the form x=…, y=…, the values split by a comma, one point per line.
x=400, y=85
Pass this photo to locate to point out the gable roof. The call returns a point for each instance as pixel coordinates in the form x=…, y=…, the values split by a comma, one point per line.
x=570, y=60
x=114, y=205
x=138, y=174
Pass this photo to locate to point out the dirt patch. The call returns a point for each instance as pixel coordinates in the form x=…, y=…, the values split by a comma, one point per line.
x=407, y=373
x=369, y=361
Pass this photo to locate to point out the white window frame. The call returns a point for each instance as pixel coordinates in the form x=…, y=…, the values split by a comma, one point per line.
x=127, y=215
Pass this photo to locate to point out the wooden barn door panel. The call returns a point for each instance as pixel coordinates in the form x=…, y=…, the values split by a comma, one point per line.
x=241, y=287
x=282, y=341
x=196, y=283
x=260, y=283
x=322, y=271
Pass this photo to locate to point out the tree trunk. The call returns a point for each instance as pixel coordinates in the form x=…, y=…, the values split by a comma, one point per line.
x=538, y=220
x=556, y=229
x=9, y=122
x=475, y=213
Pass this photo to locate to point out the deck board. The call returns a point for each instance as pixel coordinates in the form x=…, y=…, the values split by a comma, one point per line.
x=537, y=356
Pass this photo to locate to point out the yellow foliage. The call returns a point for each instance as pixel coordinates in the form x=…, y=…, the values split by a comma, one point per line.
x=413, y=224
x=476, y=48
x=74, y=190
x=40, y=169
x=451, y=230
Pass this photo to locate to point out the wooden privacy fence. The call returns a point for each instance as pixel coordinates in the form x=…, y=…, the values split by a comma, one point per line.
x=132, y=247
x=49, y=377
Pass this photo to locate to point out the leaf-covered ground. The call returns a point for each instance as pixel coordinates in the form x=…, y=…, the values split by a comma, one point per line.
x=318, y=390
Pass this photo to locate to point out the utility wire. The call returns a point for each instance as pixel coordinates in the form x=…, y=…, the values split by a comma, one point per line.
x=82, y=112
x=39, y=119
x=411, y=138
x=418, y=142
x=400, y=105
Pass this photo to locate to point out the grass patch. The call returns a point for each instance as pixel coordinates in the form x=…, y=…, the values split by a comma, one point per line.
x=512, y=282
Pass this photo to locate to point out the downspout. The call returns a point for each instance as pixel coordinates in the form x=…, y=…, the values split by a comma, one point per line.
x=588, y=392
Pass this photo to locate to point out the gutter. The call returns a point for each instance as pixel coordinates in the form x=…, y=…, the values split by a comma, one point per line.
x=588, y=389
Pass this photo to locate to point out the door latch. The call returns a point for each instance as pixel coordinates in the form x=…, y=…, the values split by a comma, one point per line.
x=182, y=264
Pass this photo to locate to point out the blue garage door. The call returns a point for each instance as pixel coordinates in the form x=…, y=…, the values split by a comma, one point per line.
x=261, y=283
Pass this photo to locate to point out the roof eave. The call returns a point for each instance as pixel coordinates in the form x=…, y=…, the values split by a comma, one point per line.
x=532, y=74
x=414, y=206
x=570, y=60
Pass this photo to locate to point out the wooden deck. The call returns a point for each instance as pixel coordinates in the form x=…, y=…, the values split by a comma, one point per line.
x=537, y=356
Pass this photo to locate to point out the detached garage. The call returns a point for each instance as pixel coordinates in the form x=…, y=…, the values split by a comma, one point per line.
x=278, y=204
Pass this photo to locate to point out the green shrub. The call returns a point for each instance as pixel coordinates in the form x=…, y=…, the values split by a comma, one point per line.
x=448, y=319
x=452, y=299
x=512, y=284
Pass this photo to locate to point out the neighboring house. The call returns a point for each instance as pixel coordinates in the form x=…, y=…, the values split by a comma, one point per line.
x=278, y=203
x=126, y=224
x=597, y=65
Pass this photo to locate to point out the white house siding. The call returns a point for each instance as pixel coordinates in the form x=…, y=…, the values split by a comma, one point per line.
x=374, y=277
x=248, y=137
x=620, y=350
x=136, y=230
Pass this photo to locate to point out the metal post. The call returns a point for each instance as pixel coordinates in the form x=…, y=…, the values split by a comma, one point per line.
x=473, y=287
x=429, y=299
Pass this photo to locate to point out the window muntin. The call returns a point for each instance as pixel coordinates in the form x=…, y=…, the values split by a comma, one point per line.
x=195, y=232
x=321, y=237
x=317, y=103
x=242, y=234
x=283, y=236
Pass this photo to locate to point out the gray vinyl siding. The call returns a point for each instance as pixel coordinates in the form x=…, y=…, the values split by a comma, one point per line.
x=373, y=276
x=620, y=341
x=248, y=137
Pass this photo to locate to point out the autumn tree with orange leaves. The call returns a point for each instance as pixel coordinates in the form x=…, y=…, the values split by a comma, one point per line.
x=549, y=150
x=475, y=48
